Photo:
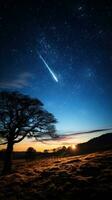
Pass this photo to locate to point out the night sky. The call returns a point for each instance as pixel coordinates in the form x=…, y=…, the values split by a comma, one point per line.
x=75, y=40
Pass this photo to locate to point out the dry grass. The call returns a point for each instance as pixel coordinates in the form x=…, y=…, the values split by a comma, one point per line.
x=80, y=177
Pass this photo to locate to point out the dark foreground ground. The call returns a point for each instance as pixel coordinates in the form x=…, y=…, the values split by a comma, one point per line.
x=80, y=177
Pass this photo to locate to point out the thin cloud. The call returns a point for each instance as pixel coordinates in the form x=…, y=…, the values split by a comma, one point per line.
x=21, y=81
x=66, y=137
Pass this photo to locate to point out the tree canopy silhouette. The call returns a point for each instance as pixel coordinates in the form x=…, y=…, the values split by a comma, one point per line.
x=30, y=154
x=22, y=116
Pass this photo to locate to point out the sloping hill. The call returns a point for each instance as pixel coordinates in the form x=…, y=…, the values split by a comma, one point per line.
x=101, y=143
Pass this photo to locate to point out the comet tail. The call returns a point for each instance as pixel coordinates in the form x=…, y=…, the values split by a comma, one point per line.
x=51, y=72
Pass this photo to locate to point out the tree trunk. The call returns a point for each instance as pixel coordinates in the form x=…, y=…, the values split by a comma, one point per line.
x=8, y=158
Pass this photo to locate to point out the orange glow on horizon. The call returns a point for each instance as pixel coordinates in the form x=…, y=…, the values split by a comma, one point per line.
x=73, y=146
x=69, y=140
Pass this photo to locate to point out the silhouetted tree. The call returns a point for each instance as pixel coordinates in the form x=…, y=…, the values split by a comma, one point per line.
x=69, y=149
x=22, y=116
x=54, y=150
x=30, y=153
x=62, y=151
x=46, y=151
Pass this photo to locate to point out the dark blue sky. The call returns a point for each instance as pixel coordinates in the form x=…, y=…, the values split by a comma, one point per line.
x=75, y=39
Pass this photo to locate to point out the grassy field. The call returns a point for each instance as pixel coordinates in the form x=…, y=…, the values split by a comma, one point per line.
x=77, y=177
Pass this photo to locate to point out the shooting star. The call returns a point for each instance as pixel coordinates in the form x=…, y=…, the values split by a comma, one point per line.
x=51, y=72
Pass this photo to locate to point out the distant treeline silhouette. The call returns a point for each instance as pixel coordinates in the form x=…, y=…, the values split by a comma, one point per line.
x=101, y=143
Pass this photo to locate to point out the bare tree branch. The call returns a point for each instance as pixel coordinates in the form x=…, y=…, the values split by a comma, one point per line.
x=3, y=143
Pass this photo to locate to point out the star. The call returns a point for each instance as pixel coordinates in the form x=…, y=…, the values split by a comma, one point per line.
x=80, y=8
x=89, y=74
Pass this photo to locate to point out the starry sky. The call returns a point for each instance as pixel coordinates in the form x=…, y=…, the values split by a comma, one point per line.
x=75, y=40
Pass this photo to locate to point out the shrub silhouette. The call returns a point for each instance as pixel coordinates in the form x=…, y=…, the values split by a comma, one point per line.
x=31, y=154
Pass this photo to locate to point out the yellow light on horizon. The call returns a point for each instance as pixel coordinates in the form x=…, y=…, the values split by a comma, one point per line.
x=73, y=146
